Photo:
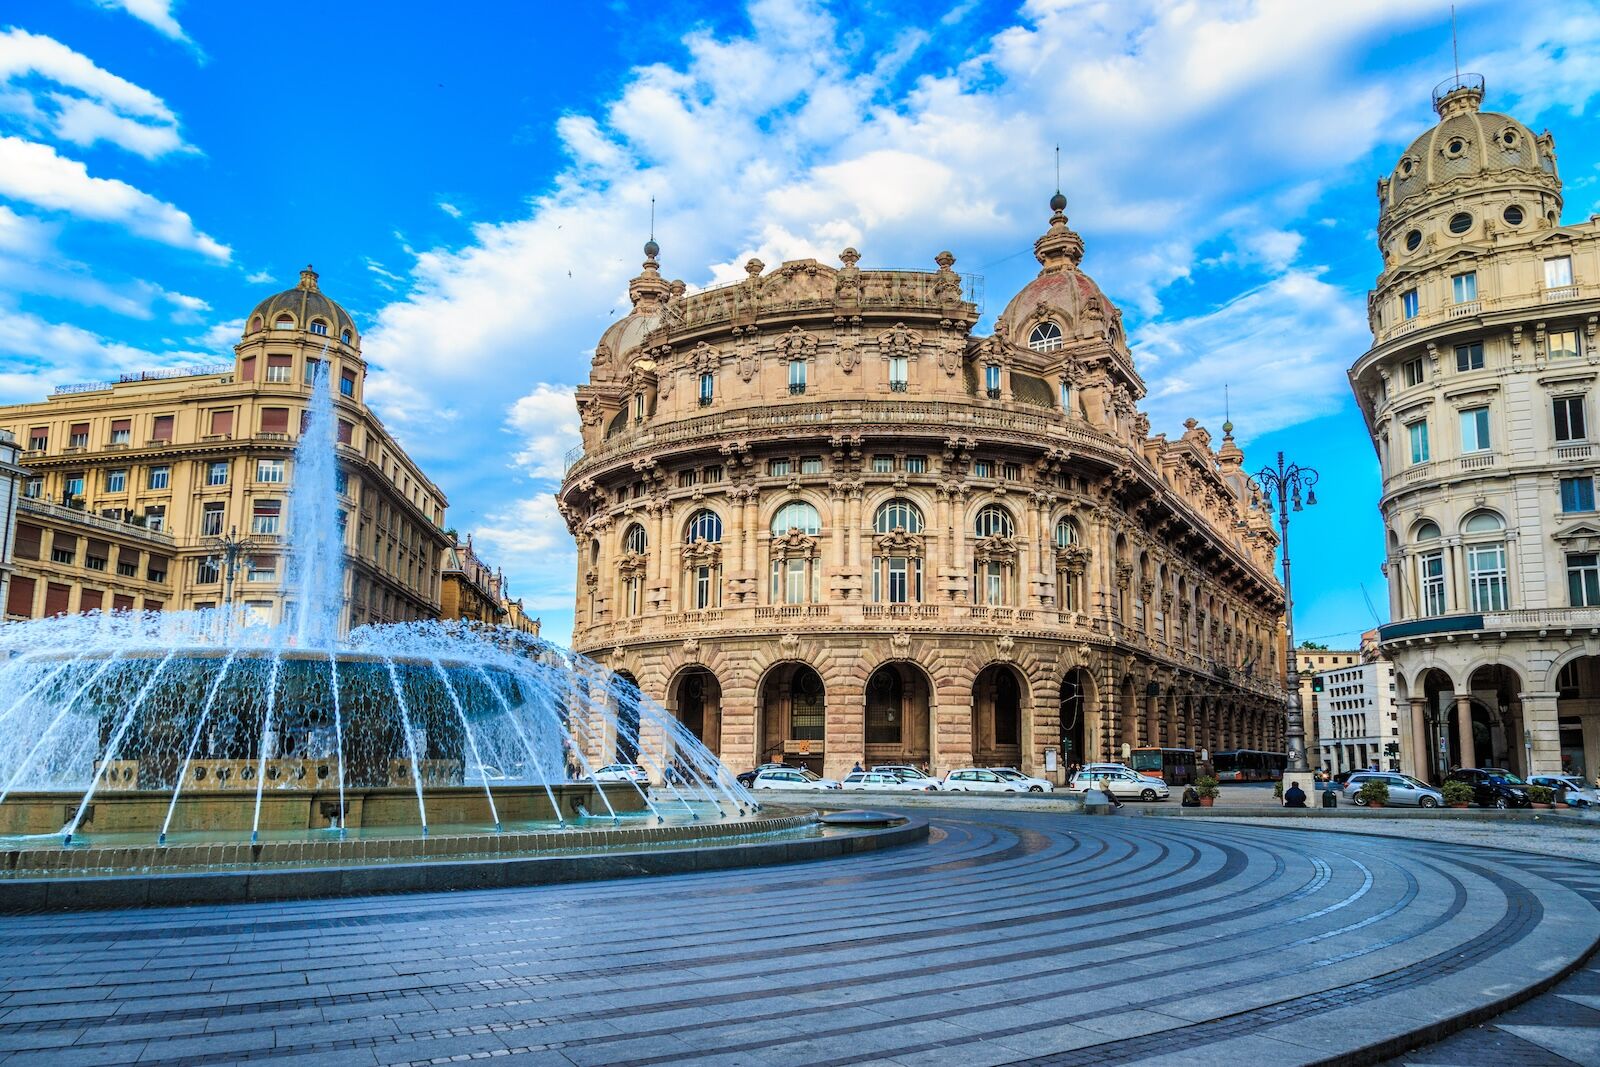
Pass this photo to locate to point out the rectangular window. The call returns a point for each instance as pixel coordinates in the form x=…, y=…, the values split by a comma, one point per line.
x=1577, y=494
x=347, y=383
x=778, y=467
x=95, y=555
x=1431, y=565
x=275, y=420
x=341, y=482
x=1571, y=425
x=708, y=388
x=991, y=381
x=211, y=519
x=1486, y=576
x=1469, y=356
x=33, y=488
x=882, y=464
x=207, y=571
x=916, y=464
x=899, y=373
x=704, y=590
x=1409, y=304
x=279, y=369
x=982, y=468
x=217, y=472
x=269, y=470
x=63, y=549
x=79, y=437
x=1418, y=434
x=121, y=431
x=1475, y=430
x=319, y=328
x=810, y=464
x=127, y=563
x=688, y=478
x=797, y=376
x=159, y=476
x=1583, y=579
x=74, y=483
x=39, y=438
x=713, y=474
x=1011, y=472
x=155, y=517
x=993, y=578
x=1066, y=396
x=222, y=423
x=1557, y=272
x=262, y=569
x=117, y=480
x=795, y=586
x=1562, y=344
x=899, y=570
x=309, y=373
x=264, y=516
x=1465, y=287
x=1415, y=372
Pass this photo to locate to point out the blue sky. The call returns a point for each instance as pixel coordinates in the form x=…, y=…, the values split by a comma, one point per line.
x=474, y=186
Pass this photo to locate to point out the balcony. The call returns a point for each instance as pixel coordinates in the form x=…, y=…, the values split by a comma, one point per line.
x=1466, y=309
x=797, y=388
x=1477, y=462
x=1558, y=293
x=1573, y=451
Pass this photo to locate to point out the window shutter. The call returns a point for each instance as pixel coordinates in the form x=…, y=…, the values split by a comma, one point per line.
x=121, y=425
x=19, y=597
x=121, y=602
x=279, y=361
x=56, y=599
x=154, y=605
x=247, y=369
x=90, y=599
x=274, y=420
x=99, y=549
x=162, y=428
x=222, y=423
x=65, y=541
x=347, y=432
x=80, y=429
x=28, y=540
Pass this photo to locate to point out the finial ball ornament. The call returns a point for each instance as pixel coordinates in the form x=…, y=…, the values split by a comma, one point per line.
x=652, y=249
x=1058, y=202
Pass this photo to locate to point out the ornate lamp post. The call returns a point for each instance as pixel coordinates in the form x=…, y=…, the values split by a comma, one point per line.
x=1287, y=483
x=226, y=549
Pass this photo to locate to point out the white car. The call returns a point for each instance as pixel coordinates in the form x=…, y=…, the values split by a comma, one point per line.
x=1035, y=785
x=1121, y=783
x=622, y=772
x=792, y=778
x=980, y=780
x=908, y=773
x=883, y=780
x=1579, y=794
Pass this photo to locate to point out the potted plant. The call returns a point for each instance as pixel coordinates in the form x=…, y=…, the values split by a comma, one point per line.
x=1541, y=796
x=1207, y=787
x=1277, y=789
x=1372, y=794
x=1457, y=794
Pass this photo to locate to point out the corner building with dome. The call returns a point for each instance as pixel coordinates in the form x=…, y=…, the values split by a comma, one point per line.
x=818, y=518
x=1479, y=392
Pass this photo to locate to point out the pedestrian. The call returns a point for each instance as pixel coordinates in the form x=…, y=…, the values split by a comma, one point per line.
x=857, y=768
x=1294, y=796
x=1191, y=797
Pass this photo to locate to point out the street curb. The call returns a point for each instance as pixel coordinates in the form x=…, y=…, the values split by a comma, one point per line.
x=834, y=799
x=233, y=887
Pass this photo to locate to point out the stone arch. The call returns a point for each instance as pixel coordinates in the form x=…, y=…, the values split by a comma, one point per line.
x=694, y=698
x=1496, y=718
x=1001, y=701
x=897, y=709
x=792, y=715
x=1080, y=717
x=1127, y=735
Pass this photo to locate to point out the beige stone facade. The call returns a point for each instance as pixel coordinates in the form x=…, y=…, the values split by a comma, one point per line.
x=1479, y=391
x=132, y=481
x=818, y=517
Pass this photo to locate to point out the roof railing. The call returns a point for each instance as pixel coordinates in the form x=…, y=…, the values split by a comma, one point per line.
x=1454, y=84
x=145, y=376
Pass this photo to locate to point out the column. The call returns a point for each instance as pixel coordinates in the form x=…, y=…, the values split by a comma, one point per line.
x=958, y=546
x=1539, y=719
x=1417, y=755
x=1469, y=755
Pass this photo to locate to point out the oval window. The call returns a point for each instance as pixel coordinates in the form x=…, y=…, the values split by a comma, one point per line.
x=1460, y=222
x=1509, y=137
x=1513, y=215
x=1413, y=239
x=1457, y=147
x=1405, y=167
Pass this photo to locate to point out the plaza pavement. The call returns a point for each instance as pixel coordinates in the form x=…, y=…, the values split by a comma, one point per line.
x=1012, y=936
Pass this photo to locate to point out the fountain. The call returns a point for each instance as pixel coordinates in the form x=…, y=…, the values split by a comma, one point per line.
x=207, y=727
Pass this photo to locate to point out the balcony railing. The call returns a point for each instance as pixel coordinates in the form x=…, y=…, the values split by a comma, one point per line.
x=79, y=517
x=1466, y=308
x=1561, y=292
x=1477, y=463
x=1574, y=451
x=1512, y=302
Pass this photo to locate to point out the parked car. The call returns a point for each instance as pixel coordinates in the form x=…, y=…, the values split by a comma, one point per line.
x=1121, y=783
x=792, y=778
x=1107, y=767
x=980, y=780
x=622, y=772
x=883, y=780
x=1579, y=794
x=1492, y=787
x=907, y=772
x=1403, y=789
x=1035, y=785
x=748, y=778
x=1341, y=778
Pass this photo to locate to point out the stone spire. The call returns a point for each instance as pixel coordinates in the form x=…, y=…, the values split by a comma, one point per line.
x=1060, y=249
x=308, y=279
x=649, y=290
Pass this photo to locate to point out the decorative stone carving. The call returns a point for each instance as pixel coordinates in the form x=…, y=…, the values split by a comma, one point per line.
x=798, y=344
x=899, y=341
x=703, y=358
x=1004, y=646
x=789, y=641
x=847, y=282
x=900, y=645
x=691, y=649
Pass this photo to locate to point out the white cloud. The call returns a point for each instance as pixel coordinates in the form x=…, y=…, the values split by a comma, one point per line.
x=449, y=209
x=157, y=14
x=33, y=173
x=529, y=539
x=221, y=338
x=260, y=277
x=97, y=106
x=39, y=355
x=20, y=234
x=547, y=421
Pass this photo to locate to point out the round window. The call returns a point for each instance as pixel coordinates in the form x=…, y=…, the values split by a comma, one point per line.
x=1405, y=167
x=1460, y=222
x=1457, y=147
x=1413, y=239
x=1513, y=215
x=1509, y=137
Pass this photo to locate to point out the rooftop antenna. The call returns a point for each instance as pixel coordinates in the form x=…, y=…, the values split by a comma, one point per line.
x=653, y=210
x=1058, y=168
x=1455, y=49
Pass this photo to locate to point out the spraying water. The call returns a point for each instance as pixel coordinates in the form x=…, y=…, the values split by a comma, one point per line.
x=316, y=557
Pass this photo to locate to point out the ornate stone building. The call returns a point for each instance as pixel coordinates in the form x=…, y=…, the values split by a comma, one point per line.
x=1477, y=392
x=816, y=516
x=131, y=482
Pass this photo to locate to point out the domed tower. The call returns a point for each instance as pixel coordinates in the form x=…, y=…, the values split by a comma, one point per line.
x=823, y=522
x=1479, y=391
x=301, y=326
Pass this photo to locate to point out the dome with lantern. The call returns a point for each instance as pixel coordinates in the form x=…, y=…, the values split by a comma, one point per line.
x=1063, y=304
x=304, y=307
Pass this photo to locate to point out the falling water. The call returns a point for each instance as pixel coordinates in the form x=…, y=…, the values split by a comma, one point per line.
x=316, y=552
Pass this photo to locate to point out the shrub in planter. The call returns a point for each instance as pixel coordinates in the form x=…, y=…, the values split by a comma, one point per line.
x=1372, y=794
x=1277, y=789
x=1457, y=794
x=1541, y=796
x=1208, y=789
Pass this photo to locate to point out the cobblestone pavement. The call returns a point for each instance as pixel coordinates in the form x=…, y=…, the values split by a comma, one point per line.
x=1010, y=937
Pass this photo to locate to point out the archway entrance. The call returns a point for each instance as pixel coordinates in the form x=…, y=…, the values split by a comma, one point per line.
x=696, y=701
x=997, y=718
x=1075, y=693
x=1578, y=716
x=1497, y=719
x=897, y=719
x=1443, y=740
x=794, y=716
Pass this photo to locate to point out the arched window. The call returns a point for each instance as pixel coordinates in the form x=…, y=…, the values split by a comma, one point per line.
x=898, y=514
x=344, y=335
x=632, y=571
x=1069, y=565
x=704, y=525
x=1046, y=337
x=1488, y=582
x=796, y=515
x=319, y=327
x=255, y=324
x=1428, y=531
x=1066, y=534
x=284, y=322
x=635, y=540
x=994, y=521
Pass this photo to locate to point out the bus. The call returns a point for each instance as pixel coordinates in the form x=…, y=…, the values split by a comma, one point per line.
x=1175, y=766
x=1249, y=765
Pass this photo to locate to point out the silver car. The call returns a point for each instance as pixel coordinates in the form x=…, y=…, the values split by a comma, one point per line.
x=1403, y=789
x=1578, y=793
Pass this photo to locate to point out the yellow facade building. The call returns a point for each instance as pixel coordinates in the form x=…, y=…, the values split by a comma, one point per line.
x=133, y=484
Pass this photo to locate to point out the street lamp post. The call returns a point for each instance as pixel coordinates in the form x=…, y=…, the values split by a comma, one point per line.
x=227, y=549
x=1287, y=484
